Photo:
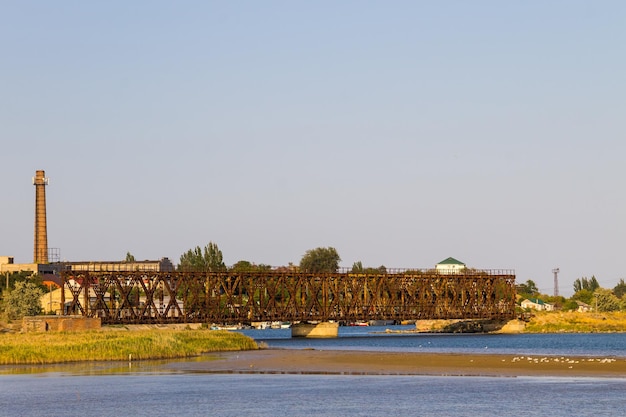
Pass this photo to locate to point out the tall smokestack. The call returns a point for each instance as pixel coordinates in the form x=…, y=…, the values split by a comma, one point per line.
x=41, y=229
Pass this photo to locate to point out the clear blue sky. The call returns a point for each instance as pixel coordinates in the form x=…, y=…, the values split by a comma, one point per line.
x=400, y=133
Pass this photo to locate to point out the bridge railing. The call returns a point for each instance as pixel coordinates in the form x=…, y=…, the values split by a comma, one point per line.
x=431, y=271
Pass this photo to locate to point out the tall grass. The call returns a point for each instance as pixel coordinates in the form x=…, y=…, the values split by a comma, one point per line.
x=115, y=345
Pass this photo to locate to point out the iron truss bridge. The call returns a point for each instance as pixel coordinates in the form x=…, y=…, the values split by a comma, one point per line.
x=247, y=297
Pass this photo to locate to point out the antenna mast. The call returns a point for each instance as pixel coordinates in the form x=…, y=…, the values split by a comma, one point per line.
x=555, y=271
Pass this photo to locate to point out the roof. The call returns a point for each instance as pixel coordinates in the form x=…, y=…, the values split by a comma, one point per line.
x=535, y=301
x=49, y=283
x=450, y=261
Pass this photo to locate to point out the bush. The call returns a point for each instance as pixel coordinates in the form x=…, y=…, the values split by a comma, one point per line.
x=23, y=300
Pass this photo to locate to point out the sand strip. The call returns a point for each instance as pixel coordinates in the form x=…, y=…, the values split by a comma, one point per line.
x=290, y=361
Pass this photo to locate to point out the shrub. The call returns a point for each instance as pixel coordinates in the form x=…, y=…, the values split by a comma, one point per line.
x=23, y=300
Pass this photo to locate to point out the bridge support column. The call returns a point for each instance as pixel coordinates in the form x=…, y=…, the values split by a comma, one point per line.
x=319, y=330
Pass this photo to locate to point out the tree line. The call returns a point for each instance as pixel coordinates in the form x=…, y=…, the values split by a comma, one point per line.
x=211, y=259
x=24, y=290
x=318, y=260
x=586, y=290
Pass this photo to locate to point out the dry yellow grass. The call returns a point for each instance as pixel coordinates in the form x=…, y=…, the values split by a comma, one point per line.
x=575, y=322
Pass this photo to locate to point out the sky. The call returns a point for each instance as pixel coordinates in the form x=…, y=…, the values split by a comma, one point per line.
x=400, y=133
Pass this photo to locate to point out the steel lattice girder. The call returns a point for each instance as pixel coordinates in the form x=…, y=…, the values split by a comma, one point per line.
x=245, y=297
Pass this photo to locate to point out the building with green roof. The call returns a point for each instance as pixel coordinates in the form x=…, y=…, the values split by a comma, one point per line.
x=450, y=266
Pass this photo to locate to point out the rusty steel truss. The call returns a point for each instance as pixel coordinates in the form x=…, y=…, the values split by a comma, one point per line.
x=246, y=297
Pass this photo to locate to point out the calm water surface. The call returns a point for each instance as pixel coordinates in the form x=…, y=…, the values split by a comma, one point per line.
x=52, y=395
x=151, y=389
x=378, y=339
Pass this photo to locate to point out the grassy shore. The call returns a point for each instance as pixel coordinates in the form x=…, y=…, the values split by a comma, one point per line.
x=575, y=322
x=120, y=344
x=115, y=345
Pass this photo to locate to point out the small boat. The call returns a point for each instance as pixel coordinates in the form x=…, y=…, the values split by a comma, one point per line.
x=228, y=327
x=382, y=322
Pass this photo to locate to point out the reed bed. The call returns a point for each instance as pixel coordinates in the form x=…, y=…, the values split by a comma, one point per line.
x=116, y=345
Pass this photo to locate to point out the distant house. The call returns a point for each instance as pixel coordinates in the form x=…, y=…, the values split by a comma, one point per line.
x=537, y=304
x=583, y=307
x=450, y=266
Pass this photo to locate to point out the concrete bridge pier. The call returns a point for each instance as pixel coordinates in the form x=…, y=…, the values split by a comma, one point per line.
x=317, y=330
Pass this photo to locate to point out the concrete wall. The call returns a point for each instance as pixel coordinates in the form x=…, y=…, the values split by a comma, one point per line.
x=8, y=266
x=12, y=267
x=319, y=330
x=59, y=324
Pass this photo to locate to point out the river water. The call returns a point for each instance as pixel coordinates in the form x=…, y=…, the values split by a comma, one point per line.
x=401, y=339
x=151, y=391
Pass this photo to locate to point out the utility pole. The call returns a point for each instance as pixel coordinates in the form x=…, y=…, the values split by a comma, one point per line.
x=555, y=271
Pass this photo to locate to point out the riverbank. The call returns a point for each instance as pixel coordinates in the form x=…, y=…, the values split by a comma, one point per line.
x=536, y=322
x=576, y=322
x=288, y=361
x=116, y=344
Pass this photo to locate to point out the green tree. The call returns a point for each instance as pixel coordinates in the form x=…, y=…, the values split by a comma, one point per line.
x=22, y=276
x=570, y=305
x=23, y=300
x=620, y=288
x=586, y=284
x=606, y=300
x=246, y=266
x=320, y=260
x=357, y=267
x=585, y=296
x=215, y=260
x=209, y=259
x=381, y=269
x=529, y=288
x=129, y=257
x=242, y=266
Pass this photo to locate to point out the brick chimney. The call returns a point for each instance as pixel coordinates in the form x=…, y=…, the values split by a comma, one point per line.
x=40, y=255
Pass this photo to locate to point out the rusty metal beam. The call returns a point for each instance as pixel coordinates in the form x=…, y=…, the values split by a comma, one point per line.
x=245, y=297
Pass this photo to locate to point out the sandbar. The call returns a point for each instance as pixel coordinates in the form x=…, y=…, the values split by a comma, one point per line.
x=343, y=362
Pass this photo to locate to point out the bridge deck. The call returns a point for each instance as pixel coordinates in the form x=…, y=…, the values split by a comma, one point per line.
x=246, y=297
